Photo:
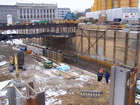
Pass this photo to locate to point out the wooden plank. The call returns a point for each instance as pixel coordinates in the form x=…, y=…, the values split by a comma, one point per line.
x=114, y=47
x=82, y=42
x=137, y=50
x=105, y=63
x=96, y=43
x=89, y=43
x=65, y=75
x=126, y=48
x=104, y=43
x=132, y=86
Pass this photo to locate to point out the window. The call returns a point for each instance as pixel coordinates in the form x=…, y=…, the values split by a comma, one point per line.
x=44, y=16
x=37, y=10
x=53, y=10
x=24, y=10
x=28, y=16
x=34, y=16
x=27, y=10
x=20, y=10
x=53, y=16
x=41, y=16
x=34, y=10
x=24, y=16
x=31, y=10
x=41, y=10
x=37, y=16
x=20, y=16
x=47, y=11
x=47, y=16
x=50, y=10
x=50, y=16
x=31, y=16
x=44, y=11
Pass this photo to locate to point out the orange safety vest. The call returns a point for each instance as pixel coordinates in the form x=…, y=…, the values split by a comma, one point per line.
x=101, y=70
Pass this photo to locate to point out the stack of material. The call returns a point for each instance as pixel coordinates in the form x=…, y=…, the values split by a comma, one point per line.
x=134, y=3
x=103, y=5
x=66, y=74
x=99, y=4
x=109, y=4
x=124, y=3
x=116, y=4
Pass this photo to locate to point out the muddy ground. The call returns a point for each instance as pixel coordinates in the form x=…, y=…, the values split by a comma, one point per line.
x=58, y=90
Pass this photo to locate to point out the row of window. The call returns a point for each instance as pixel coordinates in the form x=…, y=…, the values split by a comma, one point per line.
x=7, y=10
x=34, y=16
x=37, y=10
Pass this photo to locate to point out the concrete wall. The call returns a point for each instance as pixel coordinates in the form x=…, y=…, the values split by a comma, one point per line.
x=120, y=46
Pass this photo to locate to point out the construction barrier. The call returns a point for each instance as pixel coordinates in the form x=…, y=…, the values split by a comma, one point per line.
x=54, y=55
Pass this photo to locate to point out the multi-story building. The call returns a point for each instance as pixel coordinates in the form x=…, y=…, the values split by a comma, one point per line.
x=26, y=12
x=30, y=11
x=8, y=10
x=61, y=12
x=110, y=4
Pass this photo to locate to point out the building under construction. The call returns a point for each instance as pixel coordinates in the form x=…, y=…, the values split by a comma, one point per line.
x=67, y=63
x=123, y=10
x=110, y=4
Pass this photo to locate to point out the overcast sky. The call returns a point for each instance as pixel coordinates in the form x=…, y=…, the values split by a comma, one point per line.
x=74, y=5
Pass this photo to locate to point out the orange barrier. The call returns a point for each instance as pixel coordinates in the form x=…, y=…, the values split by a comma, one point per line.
x=28, y=52
x=105, y=63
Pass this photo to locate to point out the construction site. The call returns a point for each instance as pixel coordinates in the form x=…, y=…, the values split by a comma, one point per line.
x=74, y=63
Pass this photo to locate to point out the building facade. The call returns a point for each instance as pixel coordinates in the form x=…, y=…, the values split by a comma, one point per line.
x=27, y=12
x=8, y=10
x=100, y=5
x=61, y=13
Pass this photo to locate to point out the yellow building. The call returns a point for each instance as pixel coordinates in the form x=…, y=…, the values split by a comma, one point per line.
x=109, y=4
x=134, y=3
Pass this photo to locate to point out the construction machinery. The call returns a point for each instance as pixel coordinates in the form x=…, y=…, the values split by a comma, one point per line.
x=70, y=18
x=17, y=62
x=48, y=64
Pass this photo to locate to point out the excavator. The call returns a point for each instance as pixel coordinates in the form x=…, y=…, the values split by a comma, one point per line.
x=17, y=62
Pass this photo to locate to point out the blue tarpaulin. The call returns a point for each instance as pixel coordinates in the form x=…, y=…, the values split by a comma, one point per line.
x=63, y=68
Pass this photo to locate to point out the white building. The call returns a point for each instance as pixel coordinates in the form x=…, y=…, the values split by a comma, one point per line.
x=123, y=13
x=31, y=11
x=61, y=12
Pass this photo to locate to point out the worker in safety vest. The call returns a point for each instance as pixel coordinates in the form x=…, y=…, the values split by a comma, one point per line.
x=100, y=74
x=101, y=70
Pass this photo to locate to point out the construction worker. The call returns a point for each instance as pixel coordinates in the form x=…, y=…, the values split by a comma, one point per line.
x=107, y=75
x=101, y=70
x=100, y=76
